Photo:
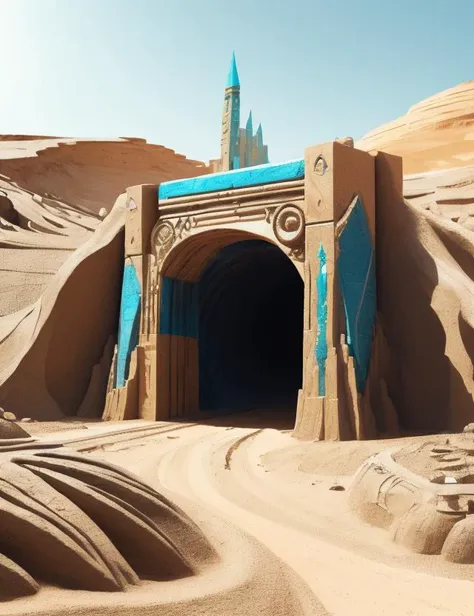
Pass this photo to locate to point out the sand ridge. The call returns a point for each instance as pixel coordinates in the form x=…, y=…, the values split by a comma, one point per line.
x=435, y=134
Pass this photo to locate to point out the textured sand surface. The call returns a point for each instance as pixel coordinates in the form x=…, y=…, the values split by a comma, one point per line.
x=436, y=133
x=425, y=268
x=90, y=173
x=217, y=568
x=277, y=490
x=425, y=272
x=61, y=264
x=241, y=482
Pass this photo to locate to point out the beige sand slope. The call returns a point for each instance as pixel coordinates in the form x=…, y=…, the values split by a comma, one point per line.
x=61, y=265
x=87, y=173
x=425, y=263
x=426, y=301
x=435, y=134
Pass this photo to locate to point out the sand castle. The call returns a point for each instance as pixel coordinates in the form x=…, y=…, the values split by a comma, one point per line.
x=355, y=373
x=331, y=289
x=300, y=238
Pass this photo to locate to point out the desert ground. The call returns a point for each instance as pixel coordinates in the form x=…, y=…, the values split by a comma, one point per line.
x=263, y=484
x=288, y=541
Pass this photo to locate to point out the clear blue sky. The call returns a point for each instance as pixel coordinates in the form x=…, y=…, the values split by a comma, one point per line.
x=310, y=70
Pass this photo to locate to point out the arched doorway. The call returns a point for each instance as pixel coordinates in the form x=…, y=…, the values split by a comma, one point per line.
x=244, y=350
x=250, y=329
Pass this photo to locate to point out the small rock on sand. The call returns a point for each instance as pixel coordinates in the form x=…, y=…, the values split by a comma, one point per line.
x=7, y=415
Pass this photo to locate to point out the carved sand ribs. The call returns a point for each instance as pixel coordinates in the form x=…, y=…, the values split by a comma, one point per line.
x=71, y=521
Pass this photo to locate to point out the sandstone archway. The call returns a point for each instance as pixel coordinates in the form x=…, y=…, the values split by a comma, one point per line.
x=231, y=327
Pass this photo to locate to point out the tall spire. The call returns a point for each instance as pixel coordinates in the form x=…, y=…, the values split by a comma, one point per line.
x=249, y=125
x=233, y=76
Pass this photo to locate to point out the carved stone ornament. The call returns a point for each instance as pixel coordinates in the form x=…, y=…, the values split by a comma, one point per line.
x=289, y=225
x=320, y=166
x=183, y=226
x=163, y=238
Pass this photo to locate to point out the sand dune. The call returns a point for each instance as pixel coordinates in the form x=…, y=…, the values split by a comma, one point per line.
x=61, y=264
x=87, y=173
x=435, y=134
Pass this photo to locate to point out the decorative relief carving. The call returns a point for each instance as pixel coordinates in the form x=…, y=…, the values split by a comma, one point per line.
x=287, y=222
x=269, y=212
x=320, y=166
x=297, y=253
x=182, y=227
x=289, y=225
x=163, y=238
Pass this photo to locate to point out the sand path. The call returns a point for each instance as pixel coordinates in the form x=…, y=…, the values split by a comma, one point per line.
x=241, y=475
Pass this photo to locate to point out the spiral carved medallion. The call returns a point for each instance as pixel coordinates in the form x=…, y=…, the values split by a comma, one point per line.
x=289, y=225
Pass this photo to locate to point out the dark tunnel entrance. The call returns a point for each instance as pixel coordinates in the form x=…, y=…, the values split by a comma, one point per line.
x=250, y=330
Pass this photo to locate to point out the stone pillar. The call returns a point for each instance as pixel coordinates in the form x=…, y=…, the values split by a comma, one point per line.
x=132, y=393
x=339, y=182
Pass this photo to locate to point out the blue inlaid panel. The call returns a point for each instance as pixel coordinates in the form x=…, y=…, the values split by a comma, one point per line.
x=179, y=308
x=129, y=323
x=356, y=270
x=239, y=178
x=321, y=350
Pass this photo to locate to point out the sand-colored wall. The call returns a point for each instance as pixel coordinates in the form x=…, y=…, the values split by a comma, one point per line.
x=337, y=177
x=78, y=314
x=425, y=289
x=59, y=293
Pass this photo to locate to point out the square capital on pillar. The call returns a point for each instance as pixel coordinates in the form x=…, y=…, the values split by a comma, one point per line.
x=140, y=217
x=319, y=183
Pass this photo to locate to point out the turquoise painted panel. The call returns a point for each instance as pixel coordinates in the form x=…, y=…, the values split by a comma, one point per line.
x=240, y=178
x=165, y=304
x=321, y=350
x=356, y=270
x=179, y=308
x=129, y=323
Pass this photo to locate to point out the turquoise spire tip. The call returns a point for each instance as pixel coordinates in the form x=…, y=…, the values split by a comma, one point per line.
x=249, y=121
x=233, y=76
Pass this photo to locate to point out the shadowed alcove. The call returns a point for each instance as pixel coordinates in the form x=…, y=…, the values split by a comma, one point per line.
x=250, y=330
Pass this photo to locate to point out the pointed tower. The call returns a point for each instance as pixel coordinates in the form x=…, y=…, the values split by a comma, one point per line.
x=262, y=149
x=230, y=155
x=259, y=145
x=248, y=140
